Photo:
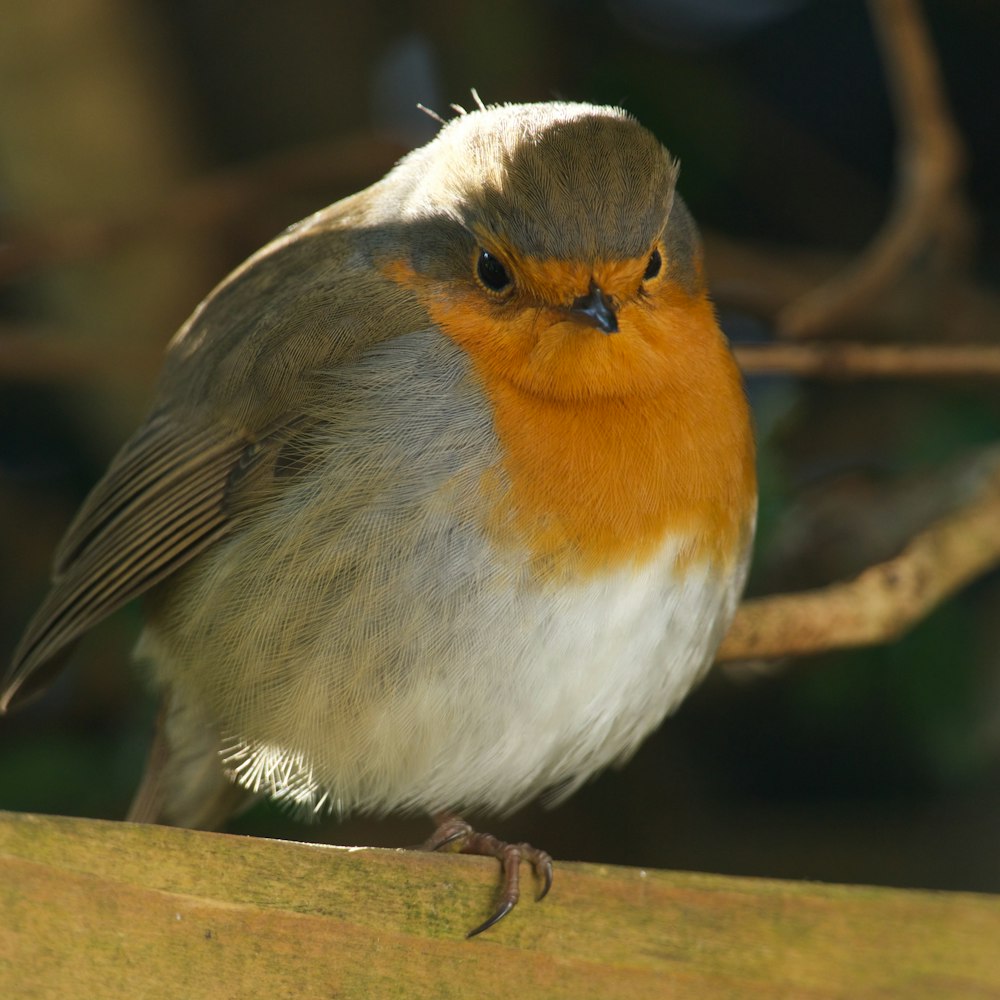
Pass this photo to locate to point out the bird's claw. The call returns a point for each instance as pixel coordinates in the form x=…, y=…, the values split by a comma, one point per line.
x=454, y=834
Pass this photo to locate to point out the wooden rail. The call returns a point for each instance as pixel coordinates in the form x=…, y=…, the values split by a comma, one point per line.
x=92, y=909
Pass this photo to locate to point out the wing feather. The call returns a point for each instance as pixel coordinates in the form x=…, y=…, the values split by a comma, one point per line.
x=164, y=499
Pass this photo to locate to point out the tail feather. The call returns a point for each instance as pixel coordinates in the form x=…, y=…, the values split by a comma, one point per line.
x=184, y=783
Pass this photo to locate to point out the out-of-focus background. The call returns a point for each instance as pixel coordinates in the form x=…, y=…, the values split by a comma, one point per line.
x=147, y=146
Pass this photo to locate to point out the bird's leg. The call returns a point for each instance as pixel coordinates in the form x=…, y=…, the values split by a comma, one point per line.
x=454, y=834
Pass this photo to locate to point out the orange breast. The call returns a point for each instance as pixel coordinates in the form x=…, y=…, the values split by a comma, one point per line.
x=613, y=443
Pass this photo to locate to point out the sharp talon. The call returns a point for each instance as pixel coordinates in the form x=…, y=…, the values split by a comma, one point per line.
x=453, y=832
x=545, y=875
x=501, y=912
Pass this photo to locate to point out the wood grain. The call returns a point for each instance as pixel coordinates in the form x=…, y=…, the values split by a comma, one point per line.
x=97, y=909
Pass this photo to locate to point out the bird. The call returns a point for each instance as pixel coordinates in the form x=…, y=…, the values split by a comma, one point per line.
x=445, y=497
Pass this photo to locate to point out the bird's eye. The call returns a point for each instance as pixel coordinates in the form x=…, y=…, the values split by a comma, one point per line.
x=653, y=265
x=491, y=272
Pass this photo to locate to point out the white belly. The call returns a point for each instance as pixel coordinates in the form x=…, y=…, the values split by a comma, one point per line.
x=553, y=690
x=514, y=694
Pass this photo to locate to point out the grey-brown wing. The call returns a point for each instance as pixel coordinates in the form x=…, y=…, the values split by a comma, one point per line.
x=256, y=351
x=162, y=501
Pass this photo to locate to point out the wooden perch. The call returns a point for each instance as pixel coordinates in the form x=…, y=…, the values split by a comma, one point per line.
x=886, y=599
x=116, y=910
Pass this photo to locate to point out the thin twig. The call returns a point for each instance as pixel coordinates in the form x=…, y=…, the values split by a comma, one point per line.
x=928, y=205
x=843, y=360
x=888, y=598
x=756, y=279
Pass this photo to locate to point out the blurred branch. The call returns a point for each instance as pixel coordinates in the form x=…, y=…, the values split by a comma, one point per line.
x=759, y=280
x=888, y=598
x=929, y=209
x=349, y=163
x=48, y=355
x=853, y=361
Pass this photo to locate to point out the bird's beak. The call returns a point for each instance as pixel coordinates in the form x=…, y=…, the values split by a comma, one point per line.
x=595, y=309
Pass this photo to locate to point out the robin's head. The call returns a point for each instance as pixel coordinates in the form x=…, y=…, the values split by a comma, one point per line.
x=564, y=182
x=552, y=243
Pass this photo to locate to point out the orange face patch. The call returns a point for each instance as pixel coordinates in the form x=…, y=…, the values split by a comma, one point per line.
x=612, y=443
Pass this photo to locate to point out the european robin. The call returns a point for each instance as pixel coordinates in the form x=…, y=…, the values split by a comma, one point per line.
x=445, y=497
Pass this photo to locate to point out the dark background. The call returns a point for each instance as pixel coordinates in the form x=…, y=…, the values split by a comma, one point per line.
x=147, y=147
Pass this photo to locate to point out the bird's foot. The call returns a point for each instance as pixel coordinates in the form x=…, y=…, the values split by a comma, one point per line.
x=454, y=834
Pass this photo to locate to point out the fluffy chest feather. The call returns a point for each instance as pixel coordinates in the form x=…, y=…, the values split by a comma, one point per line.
x=390, y=651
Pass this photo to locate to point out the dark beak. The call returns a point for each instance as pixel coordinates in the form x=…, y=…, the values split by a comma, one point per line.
x=595, y=309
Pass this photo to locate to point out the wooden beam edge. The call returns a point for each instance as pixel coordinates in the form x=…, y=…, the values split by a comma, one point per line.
x=96, y=908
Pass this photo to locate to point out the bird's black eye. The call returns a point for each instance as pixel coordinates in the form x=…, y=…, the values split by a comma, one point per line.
x=653, y=265
x=491, y=272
